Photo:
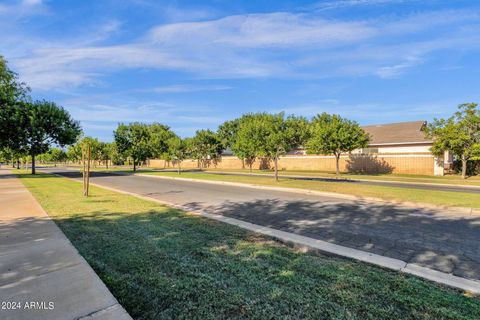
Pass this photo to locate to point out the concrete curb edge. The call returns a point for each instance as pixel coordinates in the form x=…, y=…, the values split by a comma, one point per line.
x=464, y=210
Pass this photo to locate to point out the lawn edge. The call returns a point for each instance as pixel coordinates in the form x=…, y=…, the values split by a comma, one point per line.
x=116, y=309
x=463, y=210
x=461, y=186
x=307, y=244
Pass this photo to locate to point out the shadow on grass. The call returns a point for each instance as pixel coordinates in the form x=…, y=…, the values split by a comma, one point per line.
x=166, y=264
x=448, y=243
x=423, y=236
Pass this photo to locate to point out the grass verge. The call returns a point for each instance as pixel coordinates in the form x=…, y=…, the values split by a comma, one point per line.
x=447, y=179
x=443, y=198
x=163, y=263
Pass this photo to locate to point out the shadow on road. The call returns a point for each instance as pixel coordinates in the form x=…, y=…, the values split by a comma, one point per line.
x=446, y=243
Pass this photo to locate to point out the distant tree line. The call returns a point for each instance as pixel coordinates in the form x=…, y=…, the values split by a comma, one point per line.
x=250, y=137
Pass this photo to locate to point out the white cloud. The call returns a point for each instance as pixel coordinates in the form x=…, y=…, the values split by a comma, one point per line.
x=329, y=5
x=263, y=30
x=31, y=2
x=12, y=12
x=250, y=46
x=395, y=70
x=180, y=88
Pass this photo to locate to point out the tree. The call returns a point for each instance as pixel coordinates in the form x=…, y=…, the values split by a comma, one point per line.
x=7, y=156
x=74, y=152
x=104, y=153
x=245, y=142
x=279, y=136
x=332, y=134
x=459, y=134
x=227, y=132
x=115, y=156
x=269, y=136
x=133, y=140
x=177, y=151
x=13, y=94
x=204, y=146
x=159, y=137
x=53, y=155
x=44, y=123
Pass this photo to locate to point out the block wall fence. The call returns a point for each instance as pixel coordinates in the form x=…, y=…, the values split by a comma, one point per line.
x=408, y=163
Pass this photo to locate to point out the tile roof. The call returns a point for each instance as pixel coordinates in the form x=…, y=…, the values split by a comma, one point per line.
x=397, y=133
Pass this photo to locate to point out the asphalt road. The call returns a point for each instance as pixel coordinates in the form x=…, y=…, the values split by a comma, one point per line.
x=437, y=239
x=408, y=185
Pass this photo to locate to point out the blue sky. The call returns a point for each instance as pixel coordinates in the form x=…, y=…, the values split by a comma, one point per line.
x=194, y=64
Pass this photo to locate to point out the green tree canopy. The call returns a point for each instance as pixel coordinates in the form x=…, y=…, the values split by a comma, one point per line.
x=107, y=152
x=459, y=134
x=6, y=155
x=205, y=146
x=133, y=140
x=177, y=151
x=44, y=124
x=268, y=135
x=227, y=132
x=53, y=155
x=74, y=152
x=159, y=136
x=279, y=135
x=245, y=141
x=12, y=95
x=332, y=134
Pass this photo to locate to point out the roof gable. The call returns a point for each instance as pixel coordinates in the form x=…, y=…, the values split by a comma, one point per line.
x=397, y=133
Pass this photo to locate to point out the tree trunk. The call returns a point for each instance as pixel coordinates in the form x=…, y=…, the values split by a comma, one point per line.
x=251, y=164
x=464, y=167
x=337, y=164
x=33, y=164
x=276, y=167
x=134, y=165
x=243, y=164
x=18, y=164
x=179, y=169
x=106, y=164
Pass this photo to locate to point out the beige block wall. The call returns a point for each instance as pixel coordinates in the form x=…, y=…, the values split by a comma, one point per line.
x=421, y=163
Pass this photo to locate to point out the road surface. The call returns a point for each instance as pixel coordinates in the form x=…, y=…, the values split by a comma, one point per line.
x=438, y=239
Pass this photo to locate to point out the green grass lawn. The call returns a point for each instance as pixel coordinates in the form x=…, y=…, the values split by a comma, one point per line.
x=163, y=263
x=447, y=179
x=444, y=198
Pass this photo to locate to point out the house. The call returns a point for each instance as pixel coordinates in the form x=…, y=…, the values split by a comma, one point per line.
x=405, y=137
x=398, y=137
x=400, y=147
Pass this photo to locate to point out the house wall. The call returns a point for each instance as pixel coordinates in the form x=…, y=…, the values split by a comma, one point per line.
x=408, y=163
x=404, y=148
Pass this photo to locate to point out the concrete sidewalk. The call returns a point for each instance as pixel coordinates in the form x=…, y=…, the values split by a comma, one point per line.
x=42, y=276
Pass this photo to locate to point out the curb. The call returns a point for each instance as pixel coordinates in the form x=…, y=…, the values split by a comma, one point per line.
x=315, y=245
x=460, y=186
x=464, y=210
